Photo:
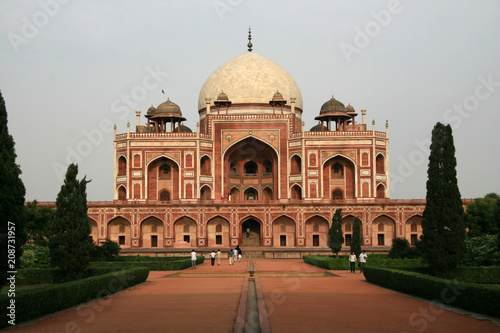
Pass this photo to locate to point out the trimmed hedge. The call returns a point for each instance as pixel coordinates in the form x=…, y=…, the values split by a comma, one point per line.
x=158, y=265
x=28, y=276
x=485, y=275
x=327, y=262
x=473, y=297
x=332, y=263
x=32, y=303
x=148, y=258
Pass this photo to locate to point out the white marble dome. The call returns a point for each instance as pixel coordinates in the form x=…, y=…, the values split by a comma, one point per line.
x=250, y=78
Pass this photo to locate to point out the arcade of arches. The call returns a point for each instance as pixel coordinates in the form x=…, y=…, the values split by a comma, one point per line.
x=219, y=232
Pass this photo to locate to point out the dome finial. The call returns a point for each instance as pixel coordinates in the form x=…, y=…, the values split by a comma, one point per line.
x=249, y=40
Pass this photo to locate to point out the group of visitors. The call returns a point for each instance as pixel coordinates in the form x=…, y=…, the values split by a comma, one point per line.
x=234, y=255
x=353, y=260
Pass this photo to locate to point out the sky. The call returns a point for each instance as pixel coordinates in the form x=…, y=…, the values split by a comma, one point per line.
x=71, y=69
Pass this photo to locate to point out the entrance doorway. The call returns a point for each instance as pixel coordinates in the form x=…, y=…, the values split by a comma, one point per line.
x=250, y=233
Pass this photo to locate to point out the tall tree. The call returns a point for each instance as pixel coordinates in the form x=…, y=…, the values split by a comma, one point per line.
x=12, y=191
x=38, y=222
x=70, y=243
x=443, y=240
x=481, y=218
x=356, y=237
x=335, y=235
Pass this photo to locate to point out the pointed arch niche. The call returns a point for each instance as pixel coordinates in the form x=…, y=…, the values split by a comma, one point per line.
x=218, y=232
x=251, y=164
x=152, y=233
x=163, y=175
x=339, y=174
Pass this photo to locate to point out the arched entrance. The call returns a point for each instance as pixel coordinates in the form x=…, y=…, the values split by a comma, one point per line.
x=250, y=233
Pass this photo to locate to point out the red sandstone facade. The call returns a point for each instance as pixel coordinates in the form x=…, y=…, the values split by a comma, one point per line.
x=251, y=174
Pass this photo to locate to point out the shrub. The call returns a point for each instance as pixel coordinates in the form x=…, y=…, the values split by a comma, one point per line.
x=152, y=265
x=477, y=298
x=35, y=302
x=35, y=256
x=108, y=251
x=482, y=251
x=327, y=262
x=31, y=276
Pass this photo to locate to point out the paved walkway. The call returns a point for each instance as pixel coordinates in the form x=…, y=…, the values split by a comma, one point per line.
x=296, y=297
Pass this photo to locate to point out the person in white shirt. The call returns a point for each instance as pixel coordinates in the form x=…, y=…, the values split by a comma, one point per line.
x=362, y=260
x=352, y=262
x=235, y=252
x=193, y=259
x=212, y=257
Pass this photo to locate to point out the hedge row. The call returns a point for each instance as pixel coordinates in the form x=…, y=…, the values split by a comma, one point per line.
x=486, y=275
x=327, y=262
x=28, y=276
x=157, y=265
x=473, y=297
x=148, y=258
x=35, y=302
x=341, y=263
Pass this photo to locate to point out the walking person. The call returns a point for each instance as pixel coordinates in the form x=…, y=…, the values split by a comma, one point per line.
x=212, y=257
x=239, y=252
x=235, y=253
x=352, y=262
x=231, y=254
x=362, y=261
x=219, y=255
x=193, y=259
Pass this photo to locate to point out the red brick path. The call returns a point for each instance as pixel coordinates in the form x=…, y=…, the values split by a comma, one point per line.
x=200, y=303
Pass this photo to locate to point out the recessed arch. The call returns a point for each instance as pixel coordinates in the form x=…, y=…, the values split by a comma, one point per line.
x=206, y=192
x=317, y=229
x=251, y=194
x=413, y=229
x=251, y=231
x=383, y=230
x=380, y=164
x=119, y=231
x=296, y=192
x=339, y=171
x=122, y=166
x=94, y=230
x=162, y=174
x=250, y=160
x=151, y=232
x=185, y=235
x=284, y=232
x=122, y=192
x=218, y=232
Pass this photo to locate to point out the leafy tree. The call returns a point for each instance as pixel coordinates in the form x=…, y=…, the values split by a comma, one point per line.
x=482, y=217
x=482, y=251
x=35, y=256
x=400, y=249
x=492, y=195
x=108, y=251
x=12, y=191
x=443, y=228
x=356, y=237
x=70, y=243
x=38, y=222
x=335, y=234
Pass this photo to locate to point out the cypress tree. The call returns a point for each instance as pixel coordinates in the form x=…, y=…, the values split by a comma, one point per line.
x=443, y=239
x=356, y=237
x=70, y=243
x=12, y=191
x=335, y=235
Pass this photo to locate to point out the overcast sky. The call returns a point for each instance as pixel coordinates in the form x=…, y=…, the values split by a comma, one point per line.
x=69, y=70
